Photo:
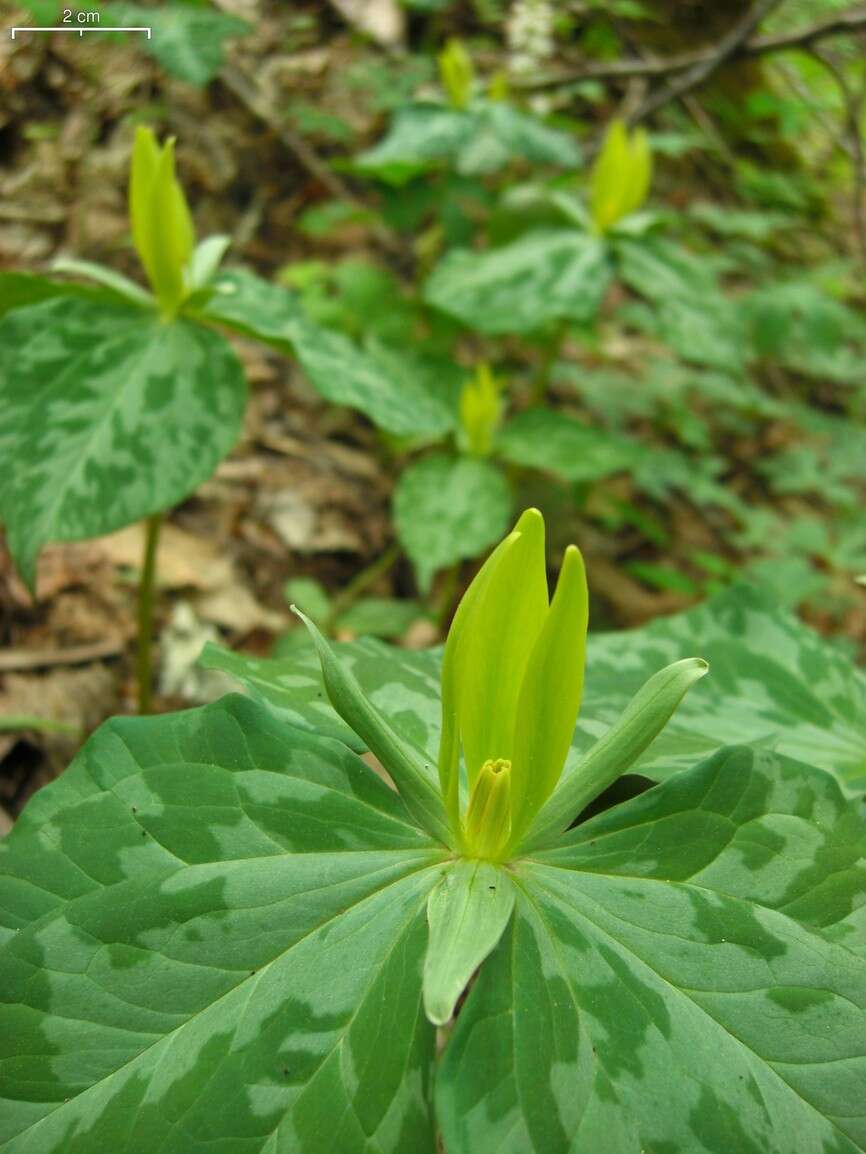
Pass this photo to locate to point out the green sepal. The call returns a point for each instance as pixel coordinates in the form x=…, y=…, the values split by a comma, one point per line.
x=402, y=762
x=206, y=259
x=115, y=282
x=467, y=914
x=642, y=720
x=550, y=696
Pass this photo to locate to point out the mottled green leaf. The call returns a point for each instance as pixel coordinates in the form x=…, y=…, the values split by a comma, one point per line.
x=420, y=136
x=403, y=684
x=448, y=509
x=254, y=307
x=502, y=133
x=215, y=927
x=291, y=685
x=411, y=772
x=482, y=138
x=654, y=991
x=107, y=415
x=556, y=443
x=773, y=682
x=544, y=277
x=693, y=315
x=659, y=268
x=212, y=932
x=401, y=391
x=396, y=388
x=188, y=39
x=18, y=290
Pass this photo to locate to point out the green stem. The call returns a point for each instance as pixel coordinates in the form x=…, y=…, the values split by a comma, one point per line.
x=44, y=724
x=361, y=581
x=144, y=660
x=549, y=357
x=447, y=595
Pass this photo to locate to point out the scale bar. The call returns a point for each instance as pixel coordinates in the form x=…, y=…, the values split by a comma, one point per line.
x=80, y=31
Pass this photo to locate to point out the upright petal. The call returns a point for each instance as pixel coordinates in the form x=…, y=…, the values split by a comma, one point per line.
x=640, y=172
x=497, y=637
x=550, y=695
x=145, y=161
x=608, y=177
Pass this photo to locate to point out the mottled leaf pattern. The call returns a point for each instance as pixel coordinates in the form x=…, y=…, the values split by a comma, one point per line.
x=187, y=39
x=212, y=933
x=773, y=682
x=405, y=690
x=693, y=315
x=448, y=509
x=544, y=277
x=648, y=997
x=257, y=308
x=203, y=917
x=397, y=390
x=481, y=138
x=556, y=443
x=19, y=289
x=405, y=393
x=107, y=414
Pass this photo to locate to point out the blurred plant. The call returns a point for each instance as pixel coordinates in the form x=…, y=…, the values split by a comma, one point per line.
x=456, y=73
x=349, y=612
x=481, y=410
x=621, y=175
x=162, y=228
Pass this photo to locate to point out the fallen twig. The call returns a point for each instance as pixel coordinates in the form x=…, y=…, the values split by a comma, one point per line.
x=25, y=722
x=247, y=92
x=14, y=660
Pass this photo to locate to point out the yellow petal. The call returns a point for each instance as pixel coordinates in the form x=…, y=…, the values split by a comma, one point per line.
x=488, y=646
x=550, y=695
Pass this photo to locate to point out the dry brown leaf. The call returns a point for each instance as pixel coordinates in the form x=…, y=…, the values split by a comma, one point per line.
x=382, y=20
x=184, y=561
x=233, y=607
x=81, y=697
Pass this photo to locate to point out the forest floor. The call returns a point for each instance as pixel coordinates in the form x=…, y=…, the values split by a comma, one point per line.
x=307, y=490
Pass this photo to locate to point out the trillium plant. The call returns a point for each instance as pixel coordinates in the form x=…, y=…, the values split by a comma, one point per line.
x=117, y=401
x=225, y=932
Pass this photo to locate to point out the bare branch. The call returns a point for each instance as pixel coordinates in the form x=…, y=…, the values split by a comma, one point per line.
x=699, y=73
x=850, y=21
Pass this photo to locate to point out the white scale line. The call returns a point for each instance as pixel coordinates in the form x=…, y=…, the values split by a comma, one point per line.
x=80, y=31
